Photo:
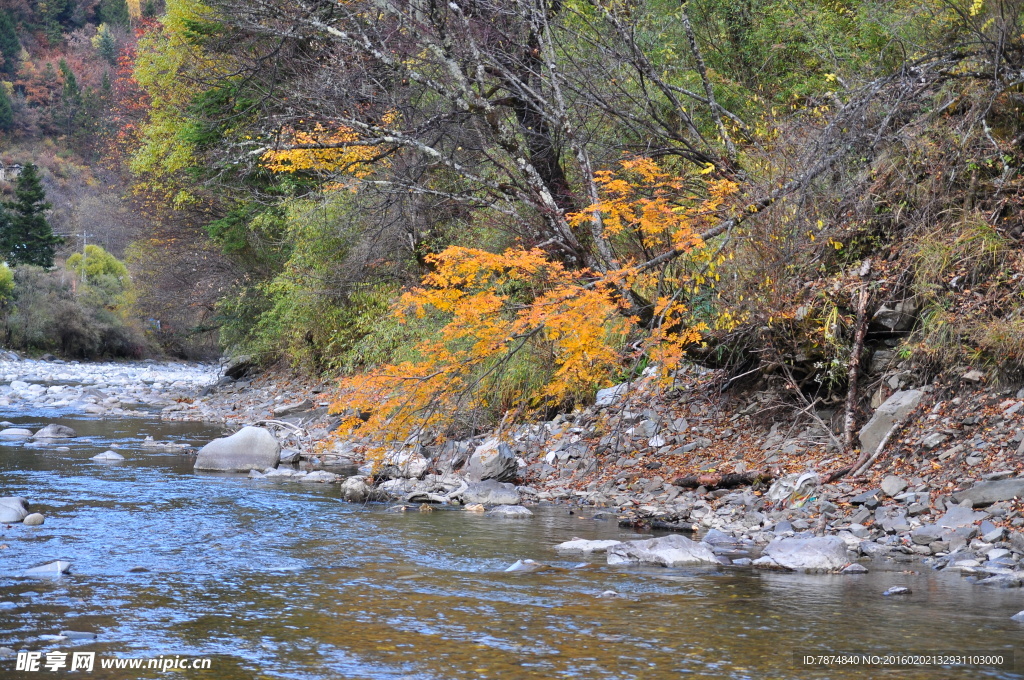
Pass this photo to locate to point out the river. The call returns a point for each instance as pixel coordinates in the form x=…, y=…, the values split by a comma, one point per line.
x=286, y=580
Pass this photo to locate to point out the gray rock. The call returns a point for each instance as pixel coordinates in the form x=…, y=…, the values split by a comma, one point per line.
x=669, y=551
x=610, y=395
x=994, y=536
x=862, y=498
x=289, y=456
x=108, y=456
x=49, y=570
x=511, y=512
x=14, y=432
x=1019, y=616
x=855, y=569
x=13, y=509
x=55, y=431
x=408, y=464
x=896, y=317
x=77, y=635
x=291, y=409
x=239, y=367
x=898, y=590
x=527, y=566
x=934, y=440
x=893, y=410
x=987, y=493
x=490, y=492
x=959, y=516
x=820, y=553
x=34, y=520
x=249, y=448
x=355, y=489
x=492, y=460
x=892, y=485
x=319, y=477
x=584, y=546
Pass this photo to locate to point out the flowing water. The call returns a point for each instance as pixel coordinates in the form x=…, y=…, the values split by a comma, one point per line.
x=287, y=581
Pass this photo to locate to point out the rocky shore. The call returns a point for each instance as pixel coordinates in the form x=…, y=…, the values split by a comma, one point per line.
x=945, y=489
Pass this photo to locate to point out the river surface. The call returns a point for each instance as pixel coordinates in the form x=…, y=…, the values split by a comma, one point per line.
x=286, y=580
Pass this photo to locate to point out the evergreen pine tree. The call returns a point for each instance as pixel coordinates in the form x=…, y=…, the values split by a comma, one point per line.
x=69, y=113
x=114, y=12
x=6, y=114
x=25, y=234
x=10, y=47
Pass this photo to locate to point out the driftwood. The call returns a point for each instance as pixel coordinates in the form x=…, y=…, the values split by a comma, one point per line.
x=723, y=481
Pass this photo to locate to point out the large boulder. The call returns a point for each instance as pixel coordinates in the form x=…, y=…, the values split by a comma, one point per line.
x=489, y=492
x=239, y=367
x=13, y=509
x=492, y=460
x=987, y=493
x=251, y=448
x=403, y=465
x=511, y=512
x=55, y=431
x=892, y=411
x=820, y=553
x=669, y=551
x=356, y=490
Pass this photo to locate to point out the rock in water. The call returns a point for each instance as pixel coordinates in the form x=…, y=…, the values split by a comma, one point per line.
x=34, y=520
x=15, y=432
x=668, y=551
x=13, y=509
x=585, y=546
x=820, y=553
x=49, y=570
x=527, y=566
x=108, y=457
x=898, y=590
x=490, y=492
x=249, y=448
x=55, y=431
x=511, y=511
x=1019, y=616
x=492, y=460
x=355, y=489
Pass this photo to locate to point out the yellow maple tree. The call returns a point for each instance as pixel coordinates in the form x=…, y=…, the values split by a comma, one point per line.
x=493, y=307
x=325, y=150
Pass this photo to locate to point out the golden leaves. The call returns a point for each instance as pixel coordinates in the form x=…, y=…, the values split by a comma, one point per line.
x=573, y=325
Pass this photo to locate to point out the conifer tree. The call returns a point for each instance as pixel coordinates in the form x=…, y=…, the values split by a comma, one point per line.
x=10, y=47
x=6, y=114
x=114, y=12
x=25, y=234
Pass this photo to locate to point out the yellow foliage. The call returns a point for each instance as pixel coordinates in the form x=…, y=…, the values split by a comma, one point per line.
x=494, y=306
x=320, y=149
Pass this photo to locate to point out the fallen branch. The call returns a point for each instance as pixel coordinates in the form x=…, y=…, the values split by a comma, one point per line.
x=724, y=481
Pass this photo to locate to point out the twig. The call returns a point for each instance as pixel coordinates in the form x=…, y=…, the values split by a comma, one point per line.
x=862, y=465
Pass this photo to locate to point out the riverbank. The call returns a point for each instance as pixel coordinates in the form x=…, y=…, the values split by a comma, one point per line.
x=946, y=487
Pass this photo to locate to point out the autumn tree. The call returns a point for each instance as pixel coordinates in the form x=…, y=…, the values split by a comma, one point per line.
x=26, y=234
